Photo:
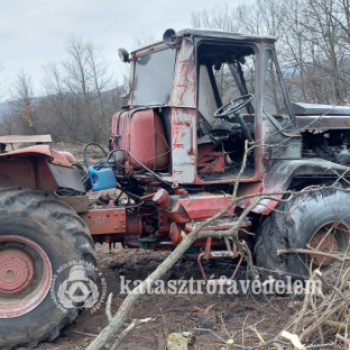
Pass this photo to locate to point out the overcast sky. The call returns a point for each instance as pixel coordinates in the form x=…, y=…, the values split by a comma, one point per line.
x=34, y=32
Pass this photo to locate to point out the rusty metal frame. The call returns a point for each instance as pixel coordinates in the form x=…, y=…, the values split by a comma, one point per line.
x=9, y=139
x=106, y=221
x=208, y=254
x=258, y=48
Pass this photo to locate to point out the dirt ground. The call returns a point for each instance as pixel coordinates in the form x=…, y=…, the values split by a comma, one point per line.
x=175, y=313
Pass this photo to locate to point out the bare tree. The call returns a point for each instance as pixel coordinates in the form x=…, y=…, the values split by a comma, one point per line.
x=79, y=80
x=2, y=82
x=144, y=37
x=7, y=123
x=81, y=96
x=23, y=105
x=313, y=42
x=99, y=71
x=219, y=17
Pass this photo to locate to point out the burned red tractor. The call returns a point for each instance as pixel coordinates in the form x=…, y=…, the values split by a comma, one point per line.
x=175, y=152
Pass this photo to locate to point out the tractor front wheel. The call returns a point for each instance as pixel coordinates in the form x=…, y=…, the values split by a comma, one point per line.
x=38, y=235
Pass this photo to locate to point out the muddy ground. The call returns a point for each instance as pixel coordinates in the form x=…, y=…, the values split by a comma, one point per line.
x=175, y=313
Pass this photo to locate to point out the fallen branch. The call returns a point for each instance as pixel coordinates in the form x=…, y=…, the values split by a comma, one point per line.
x=108, y=307
x=314, y=252
x=128, y=330
x=294, y=340
x=331, y=286
x=343, y=339
x=86, y=334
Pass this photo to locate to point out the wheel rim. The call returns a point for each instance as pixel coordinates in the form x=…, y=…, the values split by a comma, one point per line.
x=25, y=276
x=331, y=238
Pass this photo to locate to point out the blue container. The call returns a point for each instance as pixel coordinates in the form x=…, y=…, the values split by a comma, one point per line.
x=101, y=177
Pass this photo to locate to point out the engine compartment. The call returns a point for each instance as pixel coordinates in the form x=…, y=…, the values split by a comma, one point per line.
x=331, y=145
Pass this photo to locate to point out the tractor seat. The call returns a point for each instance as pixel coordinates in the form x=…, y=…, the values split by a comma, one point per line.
x=222, y=131
x=224, y=125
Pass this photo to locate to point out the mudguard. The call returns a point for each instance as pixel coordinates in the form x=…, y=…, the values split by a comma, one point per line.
x=280, y=176
x=39, y=167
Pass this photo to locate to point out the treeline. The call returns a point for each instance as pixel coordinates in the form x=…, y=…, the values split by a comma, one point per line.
x=81, y=94
x=80, y=97
x=313, y=41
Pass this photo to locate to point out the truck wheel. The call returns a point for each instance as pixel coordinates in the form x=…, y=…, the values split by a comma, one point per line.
x=38, y=234
x=320, y=219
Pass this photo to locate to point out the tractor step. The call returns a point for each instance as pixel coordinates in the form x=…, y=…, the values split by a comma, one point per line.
x=219, y=254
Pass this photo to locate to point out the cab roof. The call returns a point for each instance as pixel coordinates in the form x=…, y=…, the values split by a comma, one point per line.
x=220, y=34
x=215, y=34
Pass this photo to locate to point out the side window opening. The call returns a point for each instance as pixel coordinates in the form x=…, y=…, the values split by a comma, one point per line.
x=207, y=104
x=275, y=102
x=225, y=72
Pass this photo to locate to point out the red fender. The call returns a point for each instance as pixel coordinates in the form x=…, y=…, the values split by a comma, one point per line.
x=31, y=167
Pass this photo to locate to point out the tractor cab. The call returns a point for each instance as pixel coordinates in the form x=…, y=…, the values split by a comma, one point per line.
x=207, y=91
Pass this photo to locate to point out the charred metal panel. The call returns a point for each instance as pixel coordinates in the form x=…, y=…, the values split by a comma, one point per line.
x=327, y=122
x=280, y=146
x=280, y=177
x=209, y=161
x=316, y=109
x=290, y=149
x=67, y=177
x=218, y=34
x=184, y=144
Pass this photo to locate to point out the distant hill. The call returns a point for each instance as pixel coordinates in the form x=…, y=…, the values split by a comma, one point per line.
x=4, y=106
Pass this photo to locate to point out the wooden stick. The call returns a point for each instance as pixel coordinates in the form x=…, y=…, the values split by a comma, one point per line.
x=345, y=340
x=128, y=330
x=315, y=252
x=318, y=272
x=108, y=307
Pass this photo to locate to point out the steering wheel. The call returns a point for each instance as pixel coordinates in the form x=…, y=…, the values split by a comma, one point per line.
x=235, y=109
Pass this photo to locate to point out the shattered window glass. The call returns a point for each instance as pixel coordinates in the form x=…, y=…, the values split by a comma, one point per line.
x=153, y=78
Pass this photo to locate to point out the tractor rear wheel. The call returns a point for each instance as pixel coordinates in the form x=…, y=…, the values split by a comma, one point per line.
x=38, y=235
x=319, y=219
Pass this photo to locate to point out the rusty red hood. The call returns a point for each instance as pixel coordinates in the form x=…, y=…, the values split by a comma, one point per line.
x=60, y=158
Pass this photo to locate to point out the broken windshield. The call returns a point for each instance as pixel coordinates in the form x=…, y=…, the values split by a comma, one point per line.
x=153, y=78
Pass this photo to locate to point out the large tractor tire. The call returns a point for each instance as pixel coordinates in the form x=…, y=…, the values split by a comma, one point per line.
x=38, y=235
x=320, y=219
